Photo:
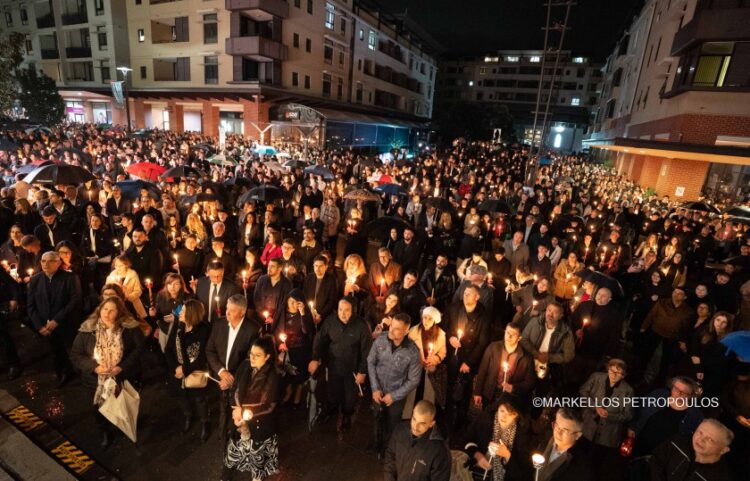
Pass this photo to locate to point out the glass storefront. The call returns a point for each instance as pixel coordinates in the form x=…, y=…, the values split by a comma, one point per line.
x=102, y=112
x=727, y=184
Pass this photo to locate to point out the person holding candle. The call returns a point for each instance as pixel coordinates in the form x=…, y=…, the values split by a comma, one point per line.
x=270, y=292
x=194, y=226
x=188, y=260
x=272, y=249
x=438, y=282
x=213, y=290
x=295, y=323
x=321, y=289
x=549, y=340
x=167, y=302
x=355, y=284
x=430, y=340
x=309, y=248
x=185, y=353
x=379, y=316
x=253, y=446
x=98, y=248
x=108, y=346
x=145, y=259
x=383, y=274
x=567, y=454
x=532, y=299
x=128, y=280
x=219, y=252
x=566, y=280
x=249, y=271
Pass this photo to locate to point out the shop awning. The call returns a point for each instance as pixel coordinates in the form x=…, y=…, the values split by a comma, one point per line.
x=354, y=117
x=721, y=154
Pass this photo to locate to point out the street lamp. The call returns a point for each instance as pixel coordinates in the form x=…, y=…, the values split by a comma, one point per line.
x=124, y=71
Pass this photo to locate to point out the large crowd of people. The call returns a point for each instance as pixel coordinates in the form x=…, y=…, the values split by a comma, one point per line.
x=553, y=321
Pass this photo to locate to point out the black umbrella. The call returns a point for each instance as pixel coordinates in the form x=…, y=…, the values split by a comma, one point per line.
x=380, y=228
x=73, y=151
x=59, y=174
x=7, y=144
x=494, y=205
x=204, y=147
x=183, y=171
x=391, y=189
x=739, y=211
x=362, y=194
x=701, y=207
x=295, y=164
x=263, y=193
x=320, y=171
x=600, y=280
x=237, y=180
x=438, y=203
x=131, y=189
x=25, y=169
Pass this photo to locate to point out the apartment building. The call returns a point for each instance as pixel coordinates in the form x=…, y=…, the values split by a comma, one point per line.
x=79, y=44
x=675, y=108
x=512, y=77
x=339, y=71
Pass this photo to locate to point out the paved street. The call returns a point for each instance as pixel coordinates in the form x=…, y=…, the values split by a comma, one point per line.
x=163, y=452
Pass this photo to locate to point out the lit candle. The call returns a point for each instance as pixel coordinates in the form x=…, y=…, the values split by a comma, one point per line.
x=218, y=307
x=149, y=285
x=30, y=271
x=505, y=370
x=489, y=277
x=265, y=315
x=89, y=191
x=382, y=286
x=459, y=335
x=282, y=338
x=177, y=263
x=244, y=279
x=247, y=414
x=430, y=348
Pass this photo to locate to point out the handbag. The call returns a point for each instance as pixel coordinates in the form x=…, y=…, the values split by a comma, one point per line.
x=195, y=380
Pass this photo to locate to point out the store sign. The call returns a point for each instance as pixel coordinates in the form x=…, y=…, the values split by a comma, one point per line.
x=679, y=192
x=73, y=110
x=291, y=115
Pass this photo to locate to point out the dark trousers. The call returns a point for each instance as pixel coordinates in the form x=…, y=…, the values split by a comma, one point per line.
x=342, y=394
x=386, y=419
x=191, y=401
x=7, y=346
x=60, y=341
x=459, y=398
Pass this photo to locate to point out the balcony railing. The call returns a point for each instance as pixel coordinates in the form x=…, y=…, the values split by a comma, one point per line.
x=45, y=21
x=75, y=18
x=257, y=48
x=260, y=9
x=720, y=25
x=78, y=52
x=50, y=53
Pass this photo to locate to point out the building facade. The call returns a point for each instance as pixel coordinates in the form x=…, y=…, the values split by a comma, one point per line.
x=512, y=77
x=675, y=107
x=79, y=44
x=302, y=70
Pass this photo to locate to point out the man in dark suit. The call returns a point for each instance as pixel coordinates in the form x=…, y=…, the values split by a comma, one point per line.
x=54, y=301
x=145, y=259
x=116, y=206
x=212, y=286
x=320, y=289
x=407, y=251
x=227, y=347
x=217, y=252
x=51, y=230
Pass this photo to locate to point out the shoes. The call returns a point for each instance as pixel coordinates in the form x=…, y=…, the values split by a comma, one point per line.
x=187, y=424
x=106, y=440
x=205, y=432
x=64, y=379
x=14, y=373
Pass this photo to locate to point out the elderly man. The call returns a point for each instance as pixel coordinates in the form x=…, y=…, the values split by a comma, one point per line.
x=417, y=451
x=395, y=368
x=477, y=276
x=698, y=457
x=54, y=303
x=516, y=251
x=383, y=274
x=227, y=347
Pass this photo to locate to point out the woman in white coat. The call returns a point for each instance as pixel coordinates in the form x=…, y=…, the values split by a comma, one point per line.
x=430, y=339
x=128, y=280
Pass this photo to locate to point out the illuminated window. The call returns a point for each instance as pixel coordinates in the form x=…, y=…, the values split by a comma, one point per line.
x=578, y=59
x=575, y=101
x=330, y=16
x=558, y=141
x=535, y=59
x=372, y=39
x=511, y=58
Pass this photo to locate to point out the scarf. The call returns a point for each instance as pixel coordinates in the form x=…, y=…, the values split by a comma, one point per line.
x=506, y=436
x=107, y=352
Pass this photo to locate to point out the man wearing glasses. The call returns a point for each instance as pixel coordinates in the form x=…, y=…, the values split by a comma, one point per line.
x=566, y=455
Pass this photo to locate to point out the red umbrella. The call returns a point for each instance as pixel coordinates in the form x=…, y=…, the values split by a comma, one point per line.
x=385, y=179
x=146, y=170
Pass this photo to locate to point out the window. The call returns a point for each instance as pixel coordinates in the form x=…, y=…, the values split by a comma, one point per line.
x=575, y=101
x=143, y=72
x=101, y=38
x=343, y=25
x=295, y=40
x=330, y=16
x=578, y=60
x=98, y=7
x=308, y=45
x=141, y=35
x=24, y=16
x=372, y=39
x=328, y=54
x=106, y=72
x=361, y=34
x=295, y=79
x=29, y=45
x=210, y=28
x=535, y=59
x=341, y=59
x=482, y=70
x=8, y=19
x=296, y=3
x=211, y=69
x=310, y=6
x=307, y=81
x=359, y=93
x=326, y=85
x=181, y=30
x=511, y=58
x=340, y=88
x=713, y=64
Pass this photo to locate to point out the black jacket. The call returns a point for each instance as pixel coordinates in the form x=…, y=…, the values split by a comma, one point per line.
x=444, y=286
x=328, y=294
x=479, y=435
x=425, y=458
x=674, y=460
x=520, y=373
x=57, y=299
x=573, y=465
x=343, y=347
x=216, y=350
x=147, y=263
x=476, y=334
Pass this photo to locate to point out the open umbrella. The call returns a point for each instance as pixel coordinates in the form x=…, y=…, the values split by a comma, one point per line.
x=39, y=130
x=320, y=171
x=494, y=205
x=738, y=211
x=131, y=189
x=146, y=170
x=295, y=163
x=223, y=160
x=25, y=169
x=264, y=150
x=738, y=343
x=385, y=179
x=363, y=195
x=381, y=227
x=237, y=180
x=439, y=203
x=7, y=144
x=182, y=172
x=263, y=193
x=391, y=189
x=59, y=174
x=275, y=167
x=204, y=147
x=701, y=207
x=600, y=280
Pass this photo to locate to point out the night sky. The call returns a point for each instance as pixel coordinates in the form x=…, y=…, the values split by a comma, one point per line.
x=483, y=26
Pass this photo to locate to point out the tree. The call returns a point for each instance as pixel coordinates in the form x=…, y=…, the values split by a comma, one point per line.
x=10, y=59
x=472, y=120
x=39, y=97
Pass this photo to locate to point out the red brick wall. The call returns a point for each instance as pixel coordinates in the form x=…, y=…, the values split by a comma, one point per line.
x=649, y=172
x=694, y=128
x=690, y=174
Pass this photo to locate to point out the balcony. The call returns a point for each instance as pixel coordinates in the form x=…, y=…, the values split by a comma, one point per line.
x=75, y=18
x=50, y=53
x=78, y=52
x=45, y=21
x=260, y=10
x=722, y=25
x=257, y=48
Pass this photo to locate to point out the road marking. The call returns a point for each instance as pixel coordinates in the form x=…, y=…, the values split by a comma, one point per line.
x=72, y=457
x=24, y=419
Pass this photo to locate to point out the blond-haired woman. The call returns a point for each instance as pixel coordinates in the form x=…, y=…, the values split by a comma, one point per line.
x=194, y=225
x=128, y=280
x=107, y=352
x=355, y=285
x=430, y=339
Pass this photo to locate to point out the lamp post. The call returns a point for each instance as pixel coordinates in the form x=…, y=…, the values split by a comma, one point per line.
x=124, y=71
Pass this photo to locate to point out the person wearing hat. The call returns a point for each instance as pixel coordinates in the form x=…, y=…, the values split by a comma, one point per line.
x=294, y=331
